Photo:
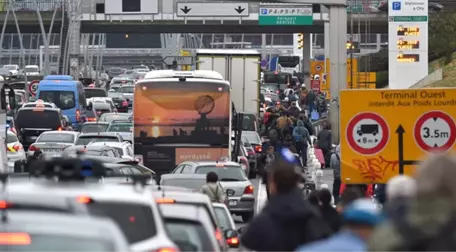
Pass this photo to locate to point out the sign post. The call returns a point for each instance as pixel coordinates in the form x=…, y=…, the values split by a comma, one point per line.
x=296, y=14
x=387, y=132
x=407, y=42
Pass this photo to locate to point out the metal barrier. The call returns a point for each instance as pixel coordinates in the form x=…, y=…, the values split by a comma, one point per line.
x=31, y=6
x=318, y=125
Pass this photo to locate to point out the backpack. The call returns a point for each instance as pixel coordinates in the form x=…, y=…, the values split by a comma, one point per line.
x=216, y=195
x=297, y=135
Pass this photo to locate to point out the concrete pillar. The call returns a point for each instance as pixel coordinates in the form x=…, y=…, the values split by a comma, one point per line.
x=306, y=50
x=326, y=41
x=338, y=56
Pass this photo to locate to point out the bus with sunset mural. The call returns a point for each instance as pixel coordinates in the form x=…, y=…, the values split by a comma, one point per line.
x=180, y=116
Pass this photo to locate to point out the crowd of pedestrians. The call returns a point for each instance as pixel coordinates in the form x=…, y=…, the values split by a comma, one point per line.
x=416, y=213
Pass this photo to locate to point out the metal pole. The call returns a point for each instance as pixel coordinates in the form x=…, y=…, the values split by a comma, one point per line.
x=30, y=47
x=38, y=58
x=20, y=41
x=66, y=53
x=2, y=36
x=45, y=41
x=49, y=38
x=11, y=47
x=351, y=51
x=91, y=54
x=61, y=41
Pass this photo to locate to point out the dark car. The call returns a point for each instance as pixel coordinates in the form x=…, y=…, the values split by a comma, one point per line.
x=254, y=145
x=86, y=139
x=31, y=122
x=95, y=92
x=94, y=127
x=120, y=101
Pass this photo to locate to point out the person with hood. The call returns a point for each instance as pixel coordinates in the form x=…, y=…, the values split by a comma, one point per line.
x=334, y=164
x=287, y=220
x=302, y=140
x=429, y=224
x=330, y=215
x=324, y=138
x=310, y=101
x=213, y=189
x=360, y=219
x=400, y=190
x=294, y=110
x=307, y=123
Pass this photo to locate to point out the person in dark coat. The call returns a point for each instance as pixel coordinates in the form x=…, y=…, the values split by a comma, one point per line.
x=288, y=220
x=330, y=215
x=325, y=142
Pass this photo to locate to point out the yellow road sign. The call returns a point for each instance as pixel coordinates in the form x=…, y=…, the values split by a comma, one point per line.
x=186, y=67
x=386, y=132
x=317, y=67
x=349, y=63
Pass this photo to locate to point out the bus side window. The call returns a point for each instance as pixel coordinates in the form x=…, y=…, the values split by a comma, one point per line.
x=82, y=99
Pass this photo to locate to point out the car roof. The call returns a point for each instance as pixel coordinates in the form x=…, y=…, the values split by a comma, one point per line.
x=110, y=144
x=100, y=134
x=55, y=222
x=184, y=176
x=33, y=109
x=100, y=105
x=75, y=133
x=182, y=196
x=99, y=122
x=170, y=188
x=89, y=147
x=202, y=163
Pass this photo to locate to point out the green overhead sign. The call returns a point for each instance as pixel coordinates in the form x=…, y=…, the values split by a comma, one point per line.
x=285, y=15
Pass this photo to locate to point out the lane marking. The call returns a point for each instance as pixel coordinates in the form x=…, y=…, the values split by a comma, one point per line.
x=261, y=196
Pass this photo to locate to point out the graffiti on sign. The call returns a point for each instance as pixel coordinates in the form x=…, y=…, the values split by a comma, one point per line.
x=375, y=168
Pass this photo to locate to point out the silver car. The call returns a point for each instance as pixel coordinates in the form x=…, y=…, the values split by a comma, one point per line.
x=53, y=142
x=239, y=189
x=127, y=92
x=15, y=150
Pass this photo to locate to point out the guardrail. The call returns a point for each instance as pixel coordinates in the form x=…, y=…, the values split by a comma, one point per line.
x=31, y=6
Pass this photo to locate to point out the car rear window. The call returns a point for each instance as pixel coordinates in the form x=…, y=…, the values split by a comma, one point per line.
x=57, y=242
x=193, y=184
x=188, y=235
x=121, y=128
x=249, y=122
x=123, y=82
x=251, y=138
x=94, y=92
x=62, y=99
x=94, y=128
x=224, y=173
x=223, y=219
x=56, y=138
x=136, y=221
x=43, y=119
x=129, y=90
x=86, y=140
x=11, y=138
x=112, y=117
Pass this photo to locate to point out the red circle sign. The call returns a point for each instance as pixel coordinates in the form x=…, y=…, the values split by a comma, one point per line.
x=435, y=131
x=33, y=86
x=367, y=133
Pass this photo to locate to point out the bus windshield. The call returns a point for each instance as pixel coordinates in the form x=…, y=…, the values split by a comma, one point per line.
x=182, y=113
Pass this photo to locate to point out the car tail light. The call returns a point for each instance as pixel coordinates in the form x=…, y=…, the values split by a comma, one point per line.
x=15, y=239
x=17, y=147
x=4, y=204
x=167, y=249
x=124, y=103
x=59, y=128
x=91, y=119
x=232, y=241
x=165, y=201
x=33, y=148
x=84, y=200
x=248, y=189
x=258, y=149
x=78, y=115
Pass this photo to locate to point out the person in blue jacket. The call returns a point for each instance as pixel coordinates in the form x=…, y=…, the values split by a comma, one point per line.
x=360, y=219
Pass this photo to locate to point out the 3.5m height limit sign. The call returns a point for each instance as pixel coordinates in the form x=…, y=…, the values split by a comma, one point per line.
x=407, y=42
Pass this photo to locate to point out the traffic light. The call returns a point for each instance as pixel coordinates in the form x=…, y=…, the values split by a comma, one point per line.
x=300, y=40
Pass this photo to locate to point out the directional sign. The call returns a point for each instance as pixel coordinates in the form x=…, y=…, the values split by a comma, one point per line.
x=388, y=132
x=33, y=86
x=435, y=131
x=120, y=7
x=180, y=60
x=285, y=15
x=208, y=9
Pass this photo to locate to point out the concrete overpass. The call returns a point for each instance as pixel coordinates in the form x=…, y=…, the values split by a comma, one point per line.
x=166, y=21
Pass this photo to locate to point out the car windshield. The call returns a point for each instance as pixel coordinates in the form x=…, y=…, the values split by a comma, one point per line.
x=42, y=119
x=11, y=138
x=55, y=138
x=224, y=173
x=10, y=67
x=188, y=235
x=248, y=123
x=59, y=242
x=94, y=92
x=121, y=128
x=222, y=218
x=85, y=140
x=136, y=221
x=128, y=90
x=93, y=128
x=31, y=69
x=251, y=138
x=111, y=117
x=62, y=99
x=189, y=183
x=122, y=81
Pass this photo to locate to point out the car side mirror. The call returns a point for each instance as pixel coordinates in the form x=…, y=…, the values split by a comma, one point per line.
x=231, y=236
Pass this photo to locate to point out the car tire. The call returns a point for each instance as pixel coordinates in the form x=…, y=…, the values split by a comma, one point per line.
x=246, y=217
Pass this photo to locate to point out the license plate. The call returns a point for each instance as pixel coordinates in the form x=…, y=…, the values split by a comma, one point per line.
x=232, y=202
x=33, y=137
x=51, y=150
